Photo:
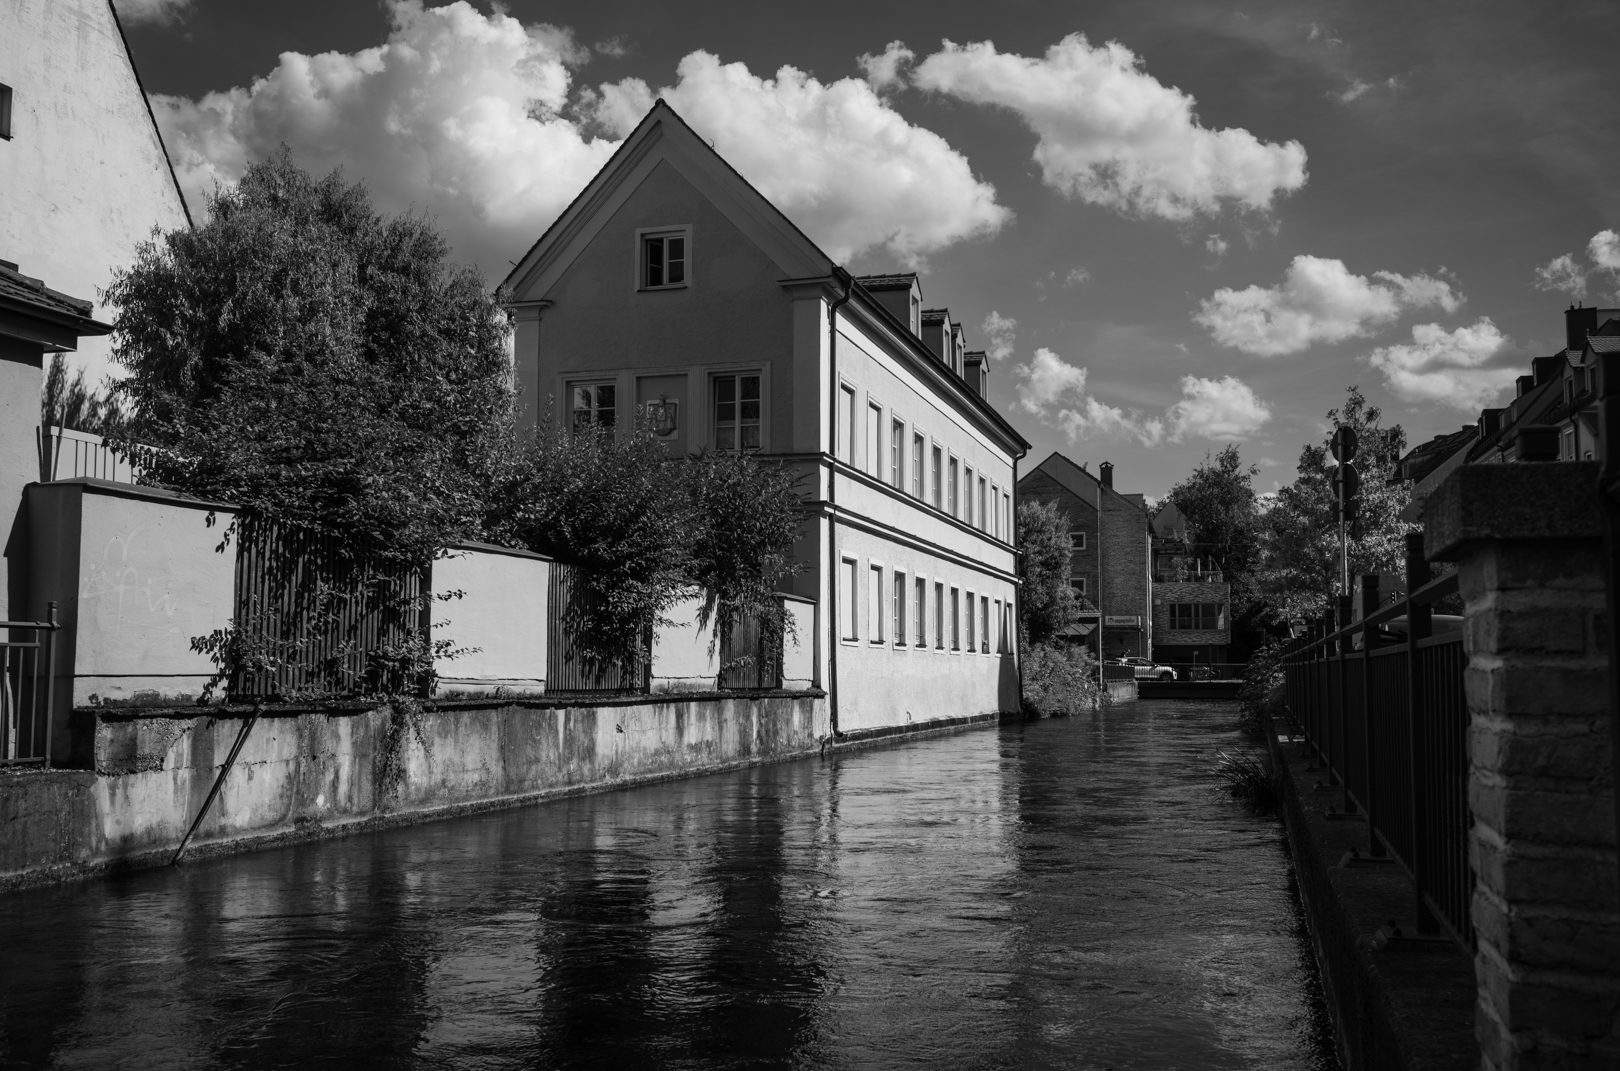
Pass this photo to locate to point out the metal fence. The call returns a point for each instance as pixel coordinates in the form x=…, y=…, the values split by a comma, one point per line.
x=65, y=454
x=1380, y=701
x=568, y=668
x=749, y=641
x=311, y=620
x=27, y=688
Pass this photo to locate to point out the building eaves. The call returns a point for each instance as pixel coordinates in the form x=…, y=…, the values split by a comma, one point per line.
x=1081, y=482
x=31, y=297
x=892, y=281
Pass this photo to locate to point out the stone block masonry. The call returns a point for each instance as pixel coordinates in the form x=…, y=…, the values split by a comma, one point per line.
x=1526, y=541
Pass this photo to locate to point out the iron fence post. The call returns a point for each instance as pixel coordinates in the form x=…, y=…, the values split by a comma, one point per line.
x=1341, y=641
x=1369, y=606
x=50, y=680
x=1419, y=624
x=1608, y=485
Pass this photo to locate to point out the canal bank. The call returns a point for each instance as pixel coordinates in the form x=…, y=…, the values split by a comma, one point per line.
x=1062, y=893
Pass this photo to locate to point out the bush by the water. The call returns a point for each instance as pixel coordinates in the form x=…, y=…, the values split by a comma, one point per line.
x=1261, y=695
x=1248, y=780
x=1059, y=679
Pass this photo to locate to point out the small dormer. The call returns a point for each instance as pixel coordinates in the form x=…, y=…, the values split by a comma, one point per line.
x=977, y=372
x=958, y=349
x=936, y=333
x=900, y=293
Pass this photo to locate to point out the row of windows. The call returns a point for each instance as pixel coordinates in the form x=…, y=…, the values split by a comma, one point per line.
x=898, y=613
x=735, y=411
x=1203, y=616
x=933, y=475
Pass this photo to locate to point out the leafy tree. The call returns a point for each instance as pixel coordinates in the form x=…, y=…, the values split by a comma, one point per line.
x=1046, y=604
x=318, y=363
x=1300, y=569
x=70, y=402
x=1218, y=502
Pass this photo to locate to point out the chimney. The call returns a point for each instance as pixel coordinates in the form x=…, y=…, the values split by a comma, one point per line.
x=977, y=373
x=1578, y=323
x=1105, y=472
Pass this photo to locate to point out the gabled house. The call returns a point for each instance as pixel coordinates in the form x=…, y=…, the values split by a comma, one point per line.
x=1192, y=600
x=673, y=289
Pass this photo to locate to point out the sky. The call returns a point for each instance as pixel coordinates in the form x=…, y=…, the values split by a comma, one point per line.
x=1173, y=225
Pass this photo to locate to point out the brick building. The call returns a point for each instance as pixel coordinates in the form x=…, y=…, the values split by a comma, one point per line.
x=1192, y=602
x=1111, y=541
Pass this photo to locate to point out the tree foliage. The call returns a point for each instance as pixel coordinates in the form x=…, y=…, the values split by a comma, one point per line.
x=69, y=401
x=1223, y=521
x=1046, y=603
x=317, y=362
x=1300, y=537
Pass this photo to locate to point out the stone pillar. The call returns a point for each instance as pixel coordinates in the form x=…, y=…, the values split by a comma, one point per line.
x=1527, y=543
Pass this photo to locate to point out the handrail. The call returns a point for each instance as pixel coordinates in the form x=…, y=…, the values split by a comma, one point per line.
x=1427, y=595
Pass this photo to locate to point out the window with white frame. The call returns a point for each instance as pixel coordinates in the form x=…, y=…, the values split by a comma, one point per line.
x=939, y=616
x=984, y=521
x=967, y=494
x=1001, y=636
x=899, y=608
x=1007, y=516
x=848, y=612
x=594, y=403
x=1078, y=583
x=918, y=448
x=995, y=504
x=939, y=475
x=897, y=455
x=951, y=491
x=1077, y=539
x=971, y=646
x=956, y=619
x=984, y=624
x=874, y=439
x=737, y=405
x=844, y=448
x=663, y=260
x=920, y=612
x=874, y=604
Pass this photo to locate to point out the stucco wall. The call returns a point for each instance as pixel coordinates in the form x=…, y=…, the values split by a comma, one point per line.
x=84, y=175
x=19, y=425
x=498, y=619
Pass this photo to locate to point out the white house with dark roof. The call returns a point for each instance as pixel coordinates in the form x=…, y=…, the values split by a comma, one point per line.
x=671, y=282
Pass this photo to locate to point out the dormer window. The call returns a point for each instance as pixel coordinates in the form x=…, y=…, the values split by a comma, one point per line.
x=665, y=259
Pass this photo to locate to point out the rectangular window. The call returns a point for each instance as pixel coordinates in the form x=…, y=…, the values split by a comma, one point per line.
x=952, y=489
x=874, y=440
x=900, y=594
x=594, y=403
x=956, y=619
x=984, y=522
x=1001, y=633
x=995, y=504
x=917, y=468
x=736, y=412
x=1006, y=627
x=1007, y=516
x=1077, y=539
x=5, y=112
x=846, y=599
x=1569, y=444
x=971, y=646
x=919, y=612
x=967, y=495
x=663, y=261
x=874, y=604
x=1078, y=584
x=1199, y=616
x=897, y=455
x=939, y=617
x=939, y=488
x=844, y=448
x=984, y=624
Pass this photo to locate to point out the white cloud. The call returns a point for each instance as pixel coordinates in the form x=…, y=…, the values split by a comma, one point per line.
x=884, y=71
x=1604, y=249
x=835, y=157
x=1358, y=89
x=1001, y=331
x=1562, y=273
x=1077, y=277
x=467, y=116
x=152, y=11
x=1224, y=408
x=613, y=48
x=1112, y=134
x=1216, y=246
x=1319, y=300
x=1055, y=391
x=1446, y=367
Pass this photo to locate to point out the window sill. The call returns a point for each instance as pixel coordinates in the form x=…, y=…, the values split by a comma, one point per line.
x=654, y=289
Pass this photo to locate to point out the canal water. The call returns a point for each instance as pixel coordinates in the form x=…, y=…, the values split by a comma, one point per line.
x=1070, y=894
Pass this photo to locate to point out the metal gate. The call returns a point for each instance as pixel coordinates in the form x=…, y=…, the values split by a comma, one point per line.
x=569, y=669
x=763, y=668
x=27, y=688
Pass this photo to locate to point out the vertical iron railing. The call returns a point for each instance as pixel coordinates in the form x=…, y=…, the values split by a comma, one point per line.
x=568, y=667
x=750, y=658
x=1388, y=723
x=27, y=688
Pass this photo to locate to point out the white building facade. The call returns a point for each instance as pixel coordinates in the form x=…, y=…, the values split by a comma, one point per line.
x=672, y=284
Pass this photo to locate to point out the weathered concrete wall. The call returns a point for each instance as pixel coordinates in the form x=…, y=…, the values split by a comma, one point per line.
x=498, y=619
x=84, y=175
x=20, y=379
x=311, y=772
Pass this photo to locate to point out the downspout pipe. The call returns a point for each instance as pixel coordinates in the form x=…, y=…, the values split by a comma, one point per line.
x=1018, y=581
x=833, y=563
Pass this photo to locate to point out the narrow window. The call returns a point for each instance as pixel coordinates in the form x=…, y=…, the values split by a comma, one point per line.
x=952, y=489
x=844, y=448
x=995, y=501
x=594, y=403
x=663, y=261
x=1007, y=515
x=971, y=646
x=736, y=412
x=984, y=624
x=5, y=113
x=874, y=604
x=846, y=599
x=956, y=619
x=1078, y=584
x=897, y=460
x=874, y=440
x=984, y=522
x=967, y=495
x=939, y=489
x=1077, y=539
x=920, y=612
x=939, y=617
x=917, y=467
x=899, y=608
x=1001, y=633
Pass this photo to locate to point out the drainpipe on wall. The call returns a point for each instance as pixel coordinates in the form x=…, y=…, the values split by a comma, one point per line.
x=833, y=564
x=1018, y=582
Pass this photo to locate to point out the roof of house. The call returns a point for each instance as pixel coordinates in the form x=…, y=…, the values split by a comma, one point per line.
x=1426, y=457
x=30, y=297
x=893, y=280
x=1078, y=480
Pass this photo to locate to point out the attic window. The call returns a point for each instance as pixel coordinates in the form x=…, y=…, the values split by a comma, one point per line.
x=664, y=259
x=5, y=112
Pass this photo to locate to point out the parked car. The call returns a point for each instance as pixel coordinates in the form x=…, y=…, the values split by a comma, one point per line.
x=1146, y=670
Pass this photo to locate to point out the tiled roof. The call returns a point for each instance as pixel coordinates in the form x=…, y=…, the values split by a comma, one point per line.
x=934, y=316
x=883, y=282
x=1603, y=343
x=17, y=287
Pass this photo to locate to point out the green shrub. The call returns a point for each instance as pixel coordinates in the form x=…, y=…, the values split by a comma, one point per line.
x=1060, y=679
x=1248, y=780
x=1261, y=695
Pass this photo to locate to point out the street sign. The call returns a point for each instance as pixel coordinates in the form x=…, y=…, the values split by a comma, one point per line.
x=1343, y=444
x=1346, y=482
x=1123, y=621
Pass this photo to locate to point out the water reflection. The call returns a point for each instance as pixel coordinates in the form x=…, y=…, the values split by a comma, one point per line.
x=1061, y=894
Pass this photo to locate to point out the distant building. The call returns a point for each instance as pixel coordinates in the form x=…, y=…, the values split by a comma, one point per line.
x=1110, y=553
x=1192, y=601
x=673, y=289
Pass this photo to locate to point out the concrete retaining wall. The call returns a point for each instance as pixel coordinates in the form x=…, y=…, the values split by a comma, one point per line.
x=307, y=772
